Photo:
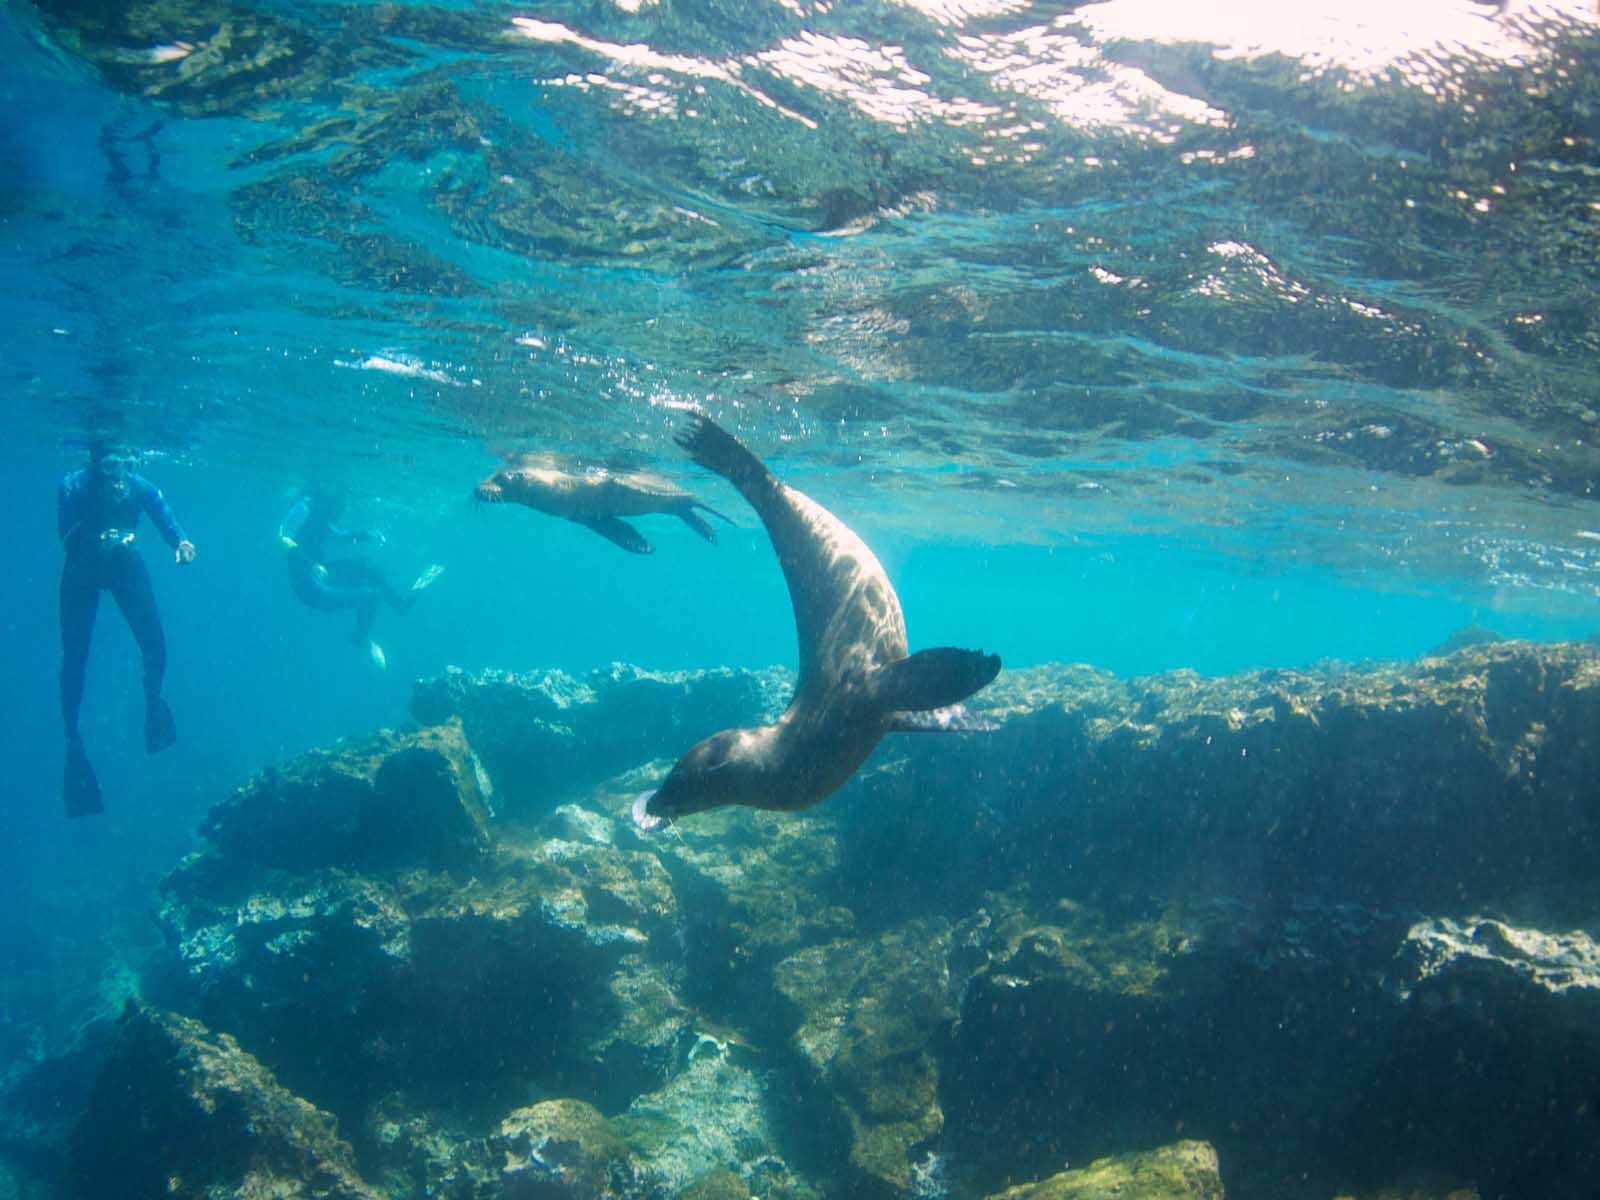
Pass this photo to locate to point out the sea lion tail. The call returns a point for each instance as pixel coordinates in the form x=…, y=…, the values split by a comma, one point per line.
x=931, y=679
x=715, y=449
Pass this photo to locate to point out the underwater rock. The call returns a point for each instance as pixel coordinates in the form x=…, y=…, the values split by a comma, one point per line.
x=1490, y=965
x=752, y=887
x=377, y=803
x=873, y=1013
x=1445, y=784
x=713, y=1115
x=353, y=983
x=559, y=1150
x=1283, y=1036
x=1184, y=1171
x=545, y=736
x=182, y=1111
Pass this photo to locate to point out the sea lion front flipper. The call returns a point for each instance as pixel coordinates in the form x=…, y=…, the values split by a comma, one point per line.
x=615, y=529
x=79, y=788
x=932, y=679
x=699, y=524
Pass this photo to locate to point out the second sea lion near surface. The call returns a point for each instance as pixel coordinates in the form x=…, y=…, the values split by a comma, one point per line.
x=595, y=497
x=856, y=682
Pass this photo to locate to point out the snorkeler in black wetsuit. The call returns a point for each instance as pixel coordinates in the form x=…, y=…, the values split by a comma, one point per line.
x=351, y=582
x=97, y=508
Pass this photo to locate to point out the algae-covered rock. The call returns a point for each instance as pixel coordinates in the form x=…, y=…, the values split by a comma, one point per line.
x=546, y=735
x=1447, y=783
x=392, y=799
x=181, y=1111
x=872, y=1015
x=356, y=983
x=713, y=1115
x=721, y=1184
x=1184, y=1171
x=1486, y=962
x=558, y=1150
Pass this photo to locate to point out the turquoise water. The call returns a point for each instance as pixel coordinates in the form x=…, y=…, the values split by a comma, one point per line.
x=1121, y=341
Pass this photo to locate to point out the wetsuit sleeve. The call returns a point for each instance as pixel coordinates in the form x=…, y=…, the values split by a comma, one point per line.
x=154, y=503
x=294, y=520
x=67, y=506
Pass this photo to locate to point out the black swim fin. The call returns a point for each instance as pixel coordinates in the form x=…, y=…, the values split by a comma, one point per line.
x=160, y=730
x=80, y=790
x=933, y=678
x=615, y=529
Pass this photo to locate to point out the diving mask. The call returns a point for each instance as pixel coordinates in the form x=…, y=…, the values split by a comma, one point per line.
x=117, y=466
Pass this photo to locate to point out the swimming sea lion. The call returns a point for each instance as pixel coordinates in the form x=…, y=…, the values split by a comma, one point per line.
x=856, y=680
x=595, y=497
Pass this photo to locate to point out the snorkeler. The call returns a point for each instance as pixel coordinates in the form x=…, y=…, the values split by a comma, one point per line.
x=350, y=582
x=97, y=508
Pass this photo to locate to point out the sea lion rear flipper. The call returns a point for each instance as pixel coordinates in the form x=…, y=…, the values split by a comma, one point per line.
x=715, y=449
x=615, y=529
x=931, y=679
x=80, y=790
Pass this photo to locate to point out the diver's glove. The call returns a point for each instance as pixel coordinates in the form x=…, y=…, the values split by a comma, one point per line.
x=287, y=544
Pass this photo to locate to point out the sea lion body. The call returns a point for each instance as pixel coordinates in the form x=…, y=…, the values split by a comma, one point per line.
x=856, y=680
x=596, y=498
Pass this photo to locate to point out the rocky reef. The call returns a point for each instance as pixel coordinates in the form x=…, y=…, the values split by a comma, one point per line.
x=1284, y=934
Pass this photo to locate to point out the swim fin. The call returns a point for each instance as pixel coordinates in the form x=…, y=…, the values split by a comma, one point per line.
x=80, y=790
x=375, y=653
x=160, y=730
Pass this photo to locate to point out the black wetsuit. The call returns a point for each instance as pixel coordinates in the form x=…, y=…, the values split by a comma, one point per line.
x=350, y=582
x=95, y=520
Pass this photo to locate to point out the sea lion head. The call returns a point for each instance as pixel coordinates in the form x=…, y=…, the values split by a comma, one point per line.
x=724, y=769
x=493, y=489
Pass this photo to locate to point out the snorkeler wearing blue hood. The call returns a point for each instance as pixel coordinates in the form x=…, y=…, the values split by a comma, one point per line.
x=97, y=509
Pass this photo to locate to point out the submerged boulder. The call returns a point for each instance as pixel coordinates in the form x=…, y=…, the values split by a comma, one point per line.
x=546, y=736
x=375, y=803
x=1183, y=1171
x=183, y=1112
x=559, y=1150
x=1456, y=782
x=873, y=1014
x=359, y=958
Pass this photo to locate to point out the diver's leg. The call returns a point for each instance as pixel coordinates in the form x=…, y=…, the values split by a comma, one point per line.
x=80, y=598
x=362, y=575
x=130, y=585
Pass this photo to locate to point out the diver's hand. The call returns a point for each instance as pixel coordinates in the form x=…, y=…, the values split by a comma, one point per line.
x=184, y=553
x=320, y=571
x=375, y=537
x=287, y=544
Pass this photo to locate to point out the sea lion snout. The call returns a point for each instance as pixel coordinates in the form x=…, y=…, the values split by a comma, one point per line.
x=642, y=816
x=490, y=491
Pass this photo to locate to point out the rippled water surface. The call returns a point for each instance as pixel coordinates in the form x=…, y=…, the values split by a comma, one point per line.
x=1299, y=284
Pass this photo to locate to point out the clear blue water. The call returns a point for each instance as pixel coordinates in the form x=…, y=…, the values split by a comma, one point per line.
x=1121, y=342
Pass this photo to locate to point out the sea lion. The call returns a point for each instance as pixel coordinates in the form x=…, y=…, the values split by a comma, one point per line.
x=595, y=497
x=856, y=680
